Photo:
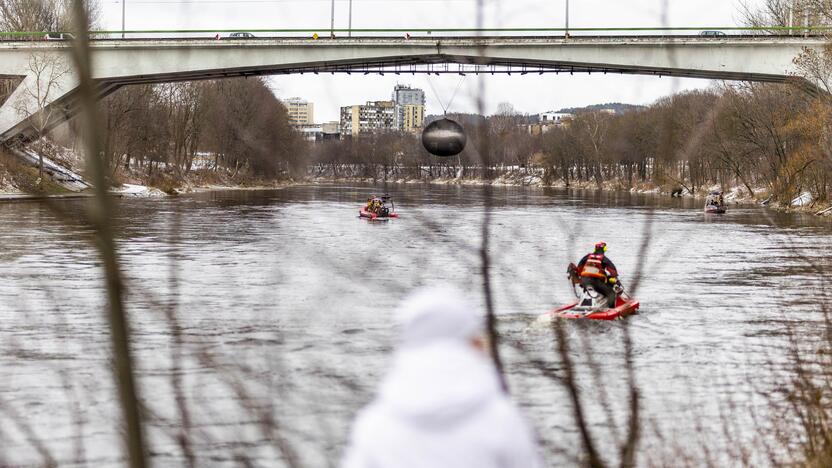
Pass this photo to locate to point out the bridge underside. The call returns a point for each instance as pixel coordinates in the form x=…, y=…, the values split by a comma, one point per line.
x=118, y=64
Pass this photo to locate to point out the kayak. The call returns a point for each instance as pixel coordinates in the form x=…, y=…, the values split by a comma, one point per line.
x=624, y=307
x=375, y=217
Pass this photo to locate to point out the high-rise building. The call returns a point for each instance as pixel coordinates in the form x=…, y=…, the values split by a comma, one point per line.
x=375, y=116
x=410, y=107
x=403, y=95
x=301, y=112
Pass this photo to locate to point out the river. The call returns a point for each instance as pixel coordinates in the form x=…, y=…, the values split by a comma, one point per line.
x=262, y=318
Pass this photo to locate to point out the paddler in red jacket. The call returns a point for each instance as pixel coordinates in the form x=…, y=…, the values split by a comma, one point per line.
x=598, y=271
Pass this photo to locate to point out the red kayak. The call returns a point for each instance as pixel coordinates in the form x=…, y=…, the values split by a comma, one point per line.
x=624, y=307
x=370, y=216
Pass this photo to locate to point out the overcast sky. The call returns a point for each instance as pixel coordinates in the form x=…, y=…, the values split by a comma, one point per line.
x=529, y=93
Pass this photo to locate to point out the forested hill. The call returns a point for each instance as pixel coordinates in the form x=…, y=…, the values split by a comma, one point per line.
x=618, y=107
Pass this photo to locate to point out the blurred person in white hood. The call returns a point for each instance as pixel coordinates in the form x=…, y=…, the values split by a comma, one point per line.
x=441, y=404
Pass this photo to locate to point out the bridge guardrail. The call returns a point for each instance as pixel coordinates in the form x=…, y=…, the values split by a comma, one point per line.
x=326, y=33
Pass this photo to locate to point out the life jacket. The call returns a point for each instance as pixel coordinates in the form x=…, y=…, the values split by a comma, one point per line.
x=594, y=267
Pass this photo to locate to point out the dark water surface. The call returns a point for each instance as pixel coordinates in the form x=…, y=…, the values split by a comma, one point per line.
x=269, y=311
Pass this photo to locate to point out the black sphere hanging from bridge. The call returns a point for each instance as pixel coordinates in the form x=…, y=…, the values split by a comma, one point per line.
x=444, y=137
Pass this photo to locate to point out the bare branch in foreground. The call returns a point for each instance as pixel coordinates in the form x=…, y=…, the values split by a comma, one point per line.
x=101, y=216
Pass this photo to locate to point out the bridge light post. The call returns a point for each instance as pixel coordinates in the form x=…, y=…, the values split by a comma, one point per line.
x=349, y=24
x=566, y=30
x=332, y=20
x=123, y=11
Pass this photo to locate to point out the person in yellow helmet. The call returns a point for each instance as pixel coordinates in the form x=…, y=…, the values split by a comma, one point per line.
x=373, y=204
x=598, y=271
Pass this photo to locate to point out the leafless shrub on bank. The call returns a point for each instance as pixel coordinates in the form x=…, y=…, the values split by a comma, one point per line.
x=47, y=75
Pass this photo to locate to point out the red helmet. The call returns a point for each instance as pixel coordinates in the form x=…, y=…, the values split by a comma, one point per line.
x=601, y=247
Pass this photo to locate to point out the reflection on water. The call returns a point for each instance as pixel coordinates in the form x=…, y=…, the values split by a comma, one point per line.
x=283, y=299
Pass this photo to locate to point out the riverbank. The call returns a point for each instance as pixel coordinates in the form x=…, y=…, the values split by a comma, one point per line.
x=736, y=196
x=21, y=179
x=143, y=191
x=20, y=182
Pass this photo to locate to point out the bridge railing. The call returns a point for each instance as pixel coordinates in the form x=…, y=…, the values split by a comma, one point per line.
x=707, y=32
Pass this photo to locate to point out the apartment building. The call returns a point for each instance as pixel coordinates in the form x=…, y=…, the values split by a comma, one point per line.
x=374, y=116
x=410, y=108
x=301, y=112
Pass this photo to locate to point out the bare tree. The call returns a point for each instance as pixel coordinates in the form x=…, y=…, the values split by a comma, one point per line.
x=786, y=14
x=34, y=15
x=45, y=80
x=816, y=67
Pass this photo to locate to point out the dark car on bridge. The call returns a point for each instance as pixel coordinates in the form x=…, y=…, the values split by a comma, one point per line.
x=712, y=34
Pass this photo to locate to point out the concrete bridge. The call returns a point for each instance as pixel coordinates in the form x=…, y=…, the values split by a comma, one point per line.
x=46, y=96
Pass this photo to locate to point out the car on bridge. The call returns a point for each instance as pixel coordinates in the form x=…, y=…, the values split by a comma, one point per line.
x=58, y=36
x=712, y=34
x=241, y=35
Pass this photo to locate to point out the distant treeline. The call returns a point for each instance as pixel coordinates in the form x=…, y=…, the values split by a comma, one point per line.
x=234, y=125
x=773, y=137
x=401, y=155
x=758, y=136
x=618, y=107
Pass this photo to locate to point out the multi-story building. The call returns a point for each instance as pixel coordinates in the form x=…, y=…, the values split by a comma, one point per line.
x=404, y=95
x=412, y=117
x=410, y=100
x=309, y=132
x=375, y=116
x=556, y=118
x=331, y=130
x=319, y=132
x=549, y=120
x=301, y=112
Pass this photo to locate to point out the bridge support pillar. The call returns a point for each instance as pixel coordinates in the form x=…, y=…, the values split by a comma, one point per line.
x=34, y=106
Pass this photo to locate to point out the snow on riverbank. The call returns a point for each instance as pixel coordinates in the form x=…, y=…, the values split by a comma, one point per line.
x=138, y=191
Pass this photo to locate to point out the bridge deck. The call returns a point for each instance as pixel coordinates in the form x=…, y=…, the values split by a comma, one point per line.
x=550, y=39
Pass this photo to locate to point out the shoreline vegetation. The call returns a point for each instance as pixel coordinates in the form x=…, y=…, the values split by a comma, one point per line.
x=737, y=196
x=19, y=181
x=514, y=177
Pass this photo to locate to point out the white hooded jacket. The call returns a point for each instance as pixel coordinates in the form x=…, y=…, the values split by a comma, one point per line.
x=441, y=404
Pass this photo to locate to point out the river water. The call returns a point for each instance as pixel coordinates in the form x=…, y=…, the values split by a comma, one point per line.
x=261, y=319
